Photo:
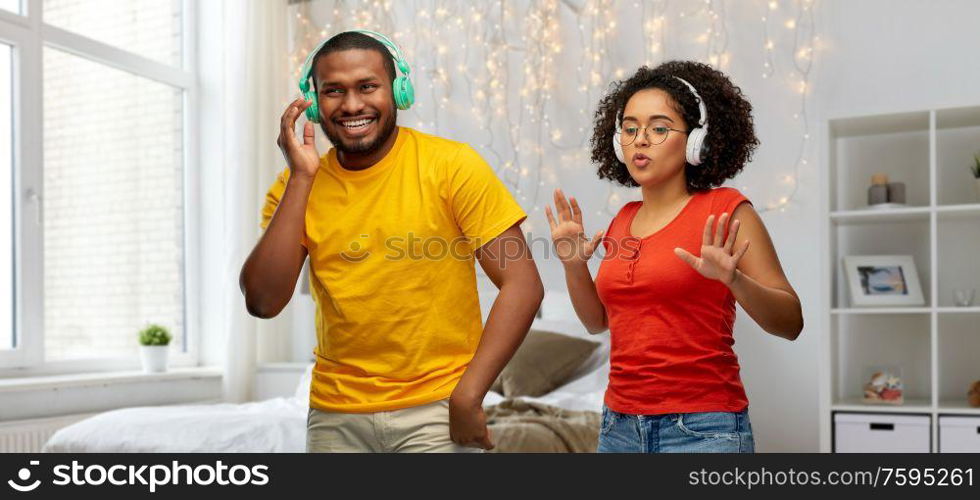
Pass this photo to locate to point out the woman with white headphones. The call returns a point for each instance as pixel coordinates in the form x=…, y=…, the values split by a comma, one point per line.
x=675, y=263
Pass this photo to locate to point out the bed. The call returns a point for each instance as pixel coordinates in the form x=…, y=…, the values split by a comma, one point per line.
x=565, y=419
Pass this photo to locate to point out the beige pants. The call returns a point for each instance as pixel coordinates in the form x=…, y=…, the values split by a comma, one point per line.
x=419, y=429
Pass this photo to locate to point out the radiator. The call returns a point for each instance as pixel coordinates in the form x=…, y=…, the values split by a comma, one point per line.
x=29, y=436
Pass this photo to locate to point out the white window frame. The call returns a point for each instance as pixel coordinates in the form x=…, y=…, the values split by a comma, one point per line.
x=29, y=35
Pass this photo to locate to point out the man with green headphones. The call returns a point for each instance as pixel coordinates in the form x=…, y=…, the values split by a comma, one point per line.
x=393, y=221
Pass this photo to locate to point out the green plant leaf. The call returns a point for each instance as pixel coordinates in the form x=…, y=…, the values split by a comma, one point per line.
x=154, y=335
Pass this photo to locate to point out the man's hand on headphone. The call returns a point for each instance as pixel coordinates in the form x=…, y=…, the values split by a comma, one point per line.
x=302, y=158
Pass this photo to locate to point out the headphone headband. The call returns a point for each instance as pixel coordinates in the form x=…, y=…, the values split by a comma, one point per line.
x=702, y=110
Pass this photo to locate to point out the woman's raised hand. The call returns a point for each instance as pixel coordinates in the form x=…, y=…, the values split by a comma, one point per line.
x=718, y=261
x=568, y=233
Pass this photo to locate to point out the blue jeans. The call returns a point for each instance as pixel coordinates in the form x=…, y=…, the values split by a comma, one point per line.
x=709, y=432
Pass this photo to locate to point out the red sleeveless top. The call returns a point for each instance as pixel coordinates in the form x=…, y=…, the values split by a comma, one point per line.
x=671, y=328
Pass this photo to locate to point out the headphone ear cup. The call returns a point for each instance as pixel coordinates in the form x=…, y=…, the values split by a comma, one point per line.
x=695, y=145
x=618, y=148
x=403, y=92
x=312, y=112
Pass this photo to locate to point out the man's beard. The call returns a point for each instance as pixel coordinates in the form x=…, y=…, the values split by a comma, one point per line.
x=361, y=146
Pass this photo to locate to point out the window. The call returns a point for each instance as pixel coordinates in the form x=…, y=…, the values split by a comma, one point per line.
x=6, y=199
x=95, y=249
x=149, y=28
x=11, y=6
x=113, y=163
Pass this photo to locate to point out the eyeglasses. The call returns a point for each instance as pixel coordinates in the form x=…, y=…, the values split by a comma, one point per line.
x=628, y=134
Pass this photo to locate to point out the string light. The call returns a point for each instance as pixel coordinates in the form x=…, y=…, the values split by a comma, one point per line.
x=804, y=41
x=504, y=67
x=717, y=33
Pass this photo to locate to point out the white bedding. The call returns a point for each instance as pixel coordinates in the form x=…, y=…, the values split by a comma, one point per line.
x=277, y=425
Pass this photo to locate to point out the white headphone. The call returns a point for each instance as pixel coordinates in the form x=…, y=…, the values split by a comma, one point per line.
x=695, y=137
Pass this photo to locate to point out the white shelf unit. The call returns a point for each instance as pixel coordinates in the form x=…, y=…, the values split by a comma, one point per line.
x=937, y=345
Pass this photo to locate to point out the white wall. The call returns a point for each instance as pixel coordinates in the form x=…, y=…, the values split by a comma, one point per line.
x=873, y=56
x=879, y=56
x=888, y=55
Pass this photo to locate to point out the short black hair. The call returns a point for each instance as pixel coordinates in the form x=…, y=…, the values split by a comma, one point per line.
x=353, y=40
x=731, y=134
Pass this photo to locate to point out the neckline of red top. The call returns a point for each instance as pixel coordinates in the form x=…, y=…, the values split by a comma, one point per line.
x=639, y=204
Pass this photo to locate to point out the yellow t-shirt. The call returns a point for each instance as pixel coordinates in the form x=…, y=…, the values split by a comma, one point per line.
x=393, y=273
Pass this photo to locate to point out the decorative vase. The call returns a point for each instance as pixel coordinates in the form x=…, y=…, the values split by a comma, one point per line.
x=154, y=358
x=878, y=191
x=976, y=187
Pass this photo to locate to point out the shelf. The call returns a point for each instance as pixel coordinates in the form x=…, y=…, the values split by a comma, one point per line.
x=951, y=211
x=882, y=310
x=906, y=310
x=957, y=406
x=957, y=248
x=933, y=345
x=870, y=215
x=860, y=126
x=910, y=406
x=958, y=310
x=899, y=152
x=958, y=343
x=957, y=136
x=958, y=118
x=910, y=214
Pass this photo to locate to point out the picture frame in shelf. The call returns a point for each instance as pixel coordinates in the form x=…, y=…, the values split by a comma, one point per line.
x=883, y=280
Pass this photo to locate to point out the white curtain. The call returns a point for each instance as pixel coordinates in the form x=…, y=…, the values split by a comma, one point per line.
x=243, y=65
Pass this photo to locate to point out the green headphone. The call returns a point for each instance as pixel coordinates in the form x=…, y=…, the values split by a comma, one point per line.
x=402, y=88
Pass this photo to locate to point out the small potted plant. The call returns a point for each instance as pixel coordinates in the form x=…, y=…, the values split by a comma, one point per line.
x=975, y=168
x=154, y=340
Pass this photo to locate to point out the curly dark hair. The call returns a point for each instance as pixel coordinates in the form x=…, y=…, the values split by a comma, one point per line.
x=731, y=135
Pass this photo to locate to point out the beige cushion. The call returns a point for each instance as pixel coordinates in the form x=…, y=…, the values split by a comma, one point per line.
x=543, y=362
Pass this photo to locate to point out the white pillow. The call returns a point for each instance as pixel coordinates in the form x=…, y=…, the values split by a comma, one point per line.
x=492, y=398
x=303, y=388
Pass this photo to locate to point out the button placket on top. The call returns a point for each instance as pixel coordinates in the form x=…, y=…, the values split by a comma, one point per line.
x=631, y=268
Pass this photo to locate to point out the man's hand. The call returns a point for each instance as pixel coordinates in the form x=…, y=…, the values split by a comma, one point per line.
x=302, y=158
x=468, y=423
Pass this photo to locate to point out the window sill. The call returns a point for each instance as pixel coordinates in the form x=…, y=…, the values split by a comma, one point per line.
x=283, y=367
x=105, y=378
x=26, y=398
